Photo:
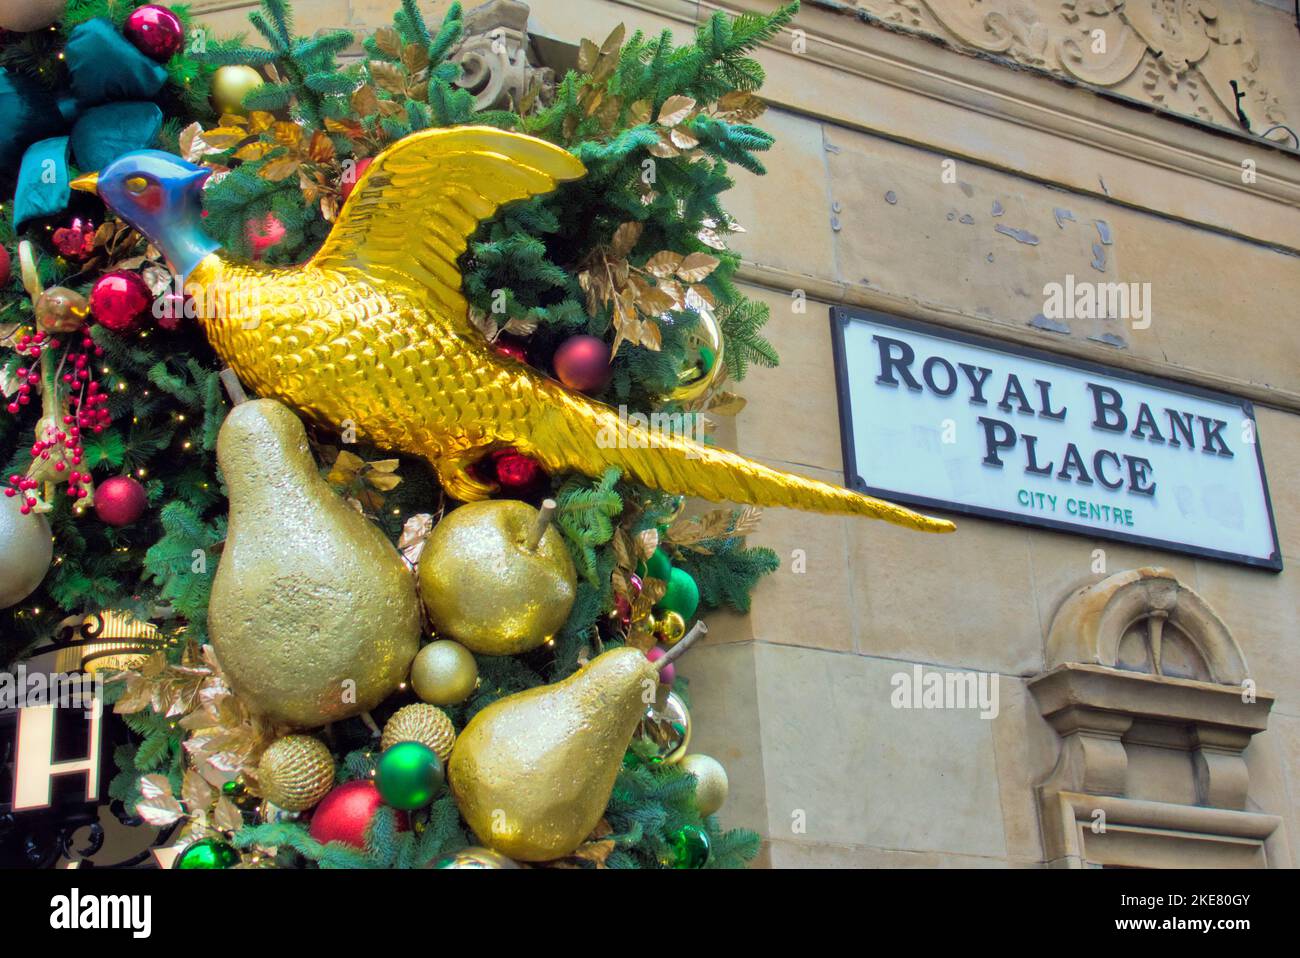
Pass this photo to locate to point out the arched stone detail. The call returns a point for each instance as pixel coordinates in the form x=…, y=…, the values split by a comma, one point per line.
x=1092, y=623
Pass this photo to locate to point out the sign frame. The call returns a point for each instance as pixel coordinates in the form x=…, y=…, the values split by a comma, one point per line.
x=841, y=316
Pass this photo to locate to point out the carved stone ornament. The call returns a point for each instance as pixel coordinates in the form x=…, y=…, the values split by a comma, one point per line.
x=1153, y=702
x=496, y=59
x=1184, y=55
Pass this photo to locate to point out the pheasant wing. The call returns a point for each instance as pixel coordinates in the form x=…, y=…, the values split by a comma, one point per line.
x=410, y=216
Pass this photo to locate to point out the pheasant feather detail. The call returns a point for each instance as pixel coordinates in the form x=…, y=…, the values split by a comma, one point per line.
x=373, y=332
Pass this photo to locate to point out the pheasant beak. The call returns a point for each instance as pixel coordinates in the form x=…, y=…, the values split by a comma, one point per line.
x=86, y=184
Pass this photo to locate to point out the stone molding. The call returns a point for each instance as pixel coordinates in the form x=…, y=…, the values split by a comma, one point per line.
x=1102, y=710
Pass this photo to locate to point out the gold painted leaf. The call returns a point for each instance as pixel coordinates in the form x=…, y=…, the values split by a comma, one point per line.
x=321, y=147
x=651, y=336
x=365, y=102
x=684, y=140
x=280, y=169
x=389, y=41
x=588, y=54
x=260, y=120
x=613, y=41
x=287, y=134
x=391, y=108
x=697, y=267
x=226, y=816
x=664, y=149
x=415, y=57
x=647, y=541
x=663, y=264
x=157, y=805
x=224, y=137
x=196, y=793
x=384, y=483
x=255, y=150
x=675, y=109
x=727, y=404
x=625, y=238
x=388, y=77
x=640, y=112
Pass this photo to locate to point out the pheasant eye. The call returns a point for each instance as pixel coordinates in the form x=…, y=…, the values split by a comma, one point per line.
x=136, y=185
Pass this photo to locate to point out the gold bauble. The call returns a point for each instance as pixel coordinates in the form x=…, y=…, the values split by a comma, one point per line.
x=444, y=673
x=426, y=724
x=532, y=773
x=314, y=615
x=710, y=781
x=61, y=310
x=706, y=335
x=665, y=728
x=25, y=551
x=486, y=588
x=474, y=857
x=670, y=627
x=296, y=772
x=230, y=84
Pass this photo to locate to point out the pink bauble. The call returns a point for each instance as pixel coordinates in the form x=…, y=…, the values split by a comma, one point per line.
x=6, y=267
x=582, y=363
x=120, y=501
x=346, y=812
x=669, y=673
x=120, y=300
x=352, y=177
x=155, y=31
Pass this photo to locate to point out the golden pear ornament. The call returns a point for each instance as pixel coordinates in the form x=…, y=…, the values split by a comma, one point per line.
x=295, y=772
x=314, y=616
x=26, y=551
x=426, y=724
x=532, y=773
x=491, y=582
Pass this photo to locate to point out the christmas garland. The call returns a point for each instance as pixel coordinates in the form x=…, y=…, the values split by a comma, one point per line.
x=612, y=281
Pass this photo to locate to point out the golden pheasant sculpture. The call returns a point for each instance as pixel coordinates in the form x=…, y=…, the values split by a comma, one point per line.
x=373, y=331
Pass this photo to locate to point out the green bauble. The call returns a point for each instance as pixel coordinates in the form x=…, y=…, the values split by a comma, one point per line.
x=409, y=775
x=207, y=854
x=690, y=847
x=683, y=595
x=658, y=566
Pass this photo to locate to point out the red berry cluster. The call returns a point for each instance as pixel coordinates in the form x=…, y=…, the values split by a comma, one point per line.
x=87, y=411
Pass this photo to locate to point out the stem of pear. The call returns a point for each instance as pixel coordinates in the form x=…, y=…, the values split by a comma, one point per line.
x=234, y=388
x=544, y=518
x=698, y=631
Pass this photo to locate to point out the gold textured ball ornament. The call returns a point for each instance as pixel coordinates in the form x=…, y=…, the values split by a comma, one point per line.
x=475, y=857
x=444, y=673
x=230, y=84
x=710, y=781
x=426, y=724
x=665, y=729
x=488, y=583
x=296, y=772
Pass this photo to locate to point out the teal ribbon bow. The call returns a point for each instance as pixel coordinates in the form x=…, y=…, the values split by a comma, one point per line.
x=104, y=113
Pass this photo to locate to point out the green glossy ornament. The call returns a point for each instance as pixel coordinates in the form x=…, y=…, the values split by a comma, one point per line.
x=207, y=854
x=690, y=847
x=683, y=595
x=409, y=775
x=658, y=566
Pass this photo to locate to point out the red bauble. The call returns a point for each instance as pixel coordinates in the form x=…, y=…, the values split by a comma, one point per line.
x=263, y=234
x=120, y=501
x=517, y=473
x=346, y=812
x=353, y=176
x=76, y=240
x=155, y=31
x=6, y=266
x=582, y=363
x=508, y=347
x=120, y=300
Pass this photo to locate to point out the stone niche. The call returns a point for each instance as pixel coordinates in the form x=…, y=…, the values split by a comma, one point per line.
x=1153, y=701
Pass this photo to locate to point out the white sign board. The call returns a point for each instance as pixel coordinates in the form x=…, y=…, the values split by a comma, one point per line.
x=943, y=420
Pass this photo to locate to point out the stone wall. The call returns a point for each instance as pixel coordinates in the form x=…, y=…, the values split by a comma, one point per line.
x=794, y=699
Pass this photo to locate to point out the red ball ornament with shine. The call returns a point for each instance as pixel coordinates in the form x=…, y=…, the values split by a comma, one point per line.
x=155, y=31
x=6, y=267
x=346, y=812
x=120, y=300
x=352, y=177
x=517, y=473
x=582, y=363
x=120, y=501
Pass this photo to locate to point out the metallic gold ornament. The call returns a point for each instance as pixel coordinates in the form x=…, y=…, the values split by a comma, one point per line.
x=230, y=84
x=314, y=615
x=26, y=551
x=296, y=772
x=669, y=627
x=426, y=724
x=532, y=772
x=474, y=857
x=711, y=784
x=706, y=344
x=374, y=331
x=665, y=728
x=486, y=587
x=444, y=673
x=60, y=310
